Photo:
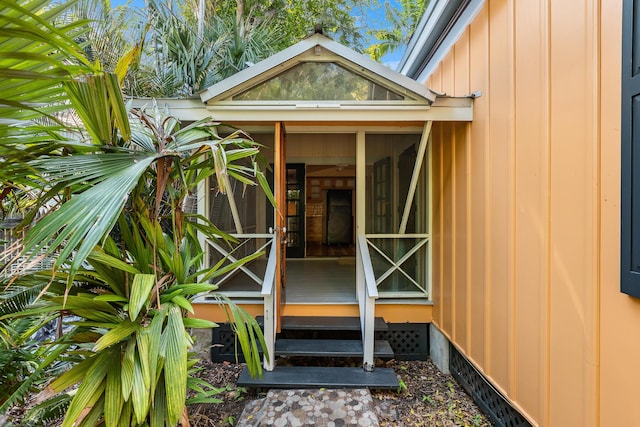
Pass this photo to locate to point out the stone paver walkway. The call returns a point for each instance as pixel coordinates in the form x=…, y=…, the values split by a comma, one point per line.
x=317, y=407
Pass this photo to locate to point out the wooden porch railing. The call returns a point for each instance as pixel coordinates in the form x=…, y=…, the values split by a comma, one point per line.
x=367, y=292
x=262, y=241
x=421, y=287
x=270, y=308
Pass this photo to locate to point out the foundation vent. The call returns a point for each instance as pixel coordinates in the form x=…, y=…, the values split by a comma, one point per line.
x=409, y=341
x=224, y=345
x=492, y=403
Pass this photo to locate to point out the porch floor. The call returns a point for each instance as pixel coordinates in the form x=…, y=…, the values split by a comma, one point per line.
x=321, y=280
x=309, y=281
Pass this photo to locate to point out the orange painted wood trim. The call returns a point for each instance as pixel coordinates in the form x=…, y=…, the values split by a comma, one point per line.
x=392, y=313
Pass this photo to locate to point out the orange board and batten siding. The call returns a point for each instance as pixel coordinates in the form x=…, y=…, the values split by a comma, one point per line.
x=526, y=211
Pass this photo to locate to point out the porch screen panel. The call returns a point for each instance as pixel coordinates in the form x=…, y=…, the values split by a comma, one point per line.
x=249, y=203
x=382, y=196
x=390, y=163
x=630, y=151
x=400, y=260
x=221, y=212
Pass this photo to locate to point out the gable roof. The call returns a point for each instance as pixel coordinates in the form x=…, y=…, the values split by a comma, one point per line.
x=317, y=48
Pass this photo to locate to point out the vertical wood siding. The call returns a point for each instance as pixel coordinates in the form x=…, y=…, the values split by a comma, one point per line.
x=619, y=314
x=525, y=230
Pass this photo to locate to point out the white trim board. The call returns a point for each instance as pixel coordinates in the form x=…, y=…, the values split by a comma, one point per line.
x=432, y=19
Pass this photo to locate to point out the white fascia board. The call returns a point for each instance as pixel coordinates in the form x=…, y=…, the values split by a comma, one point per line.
x=272, y=115
x=452, y=38
x=428, y=23
x=430, y=17
x=443, y=109
x=182, y=109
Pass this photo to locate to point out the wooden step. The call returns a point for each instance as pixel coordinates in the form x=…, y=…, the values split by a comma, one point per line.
x=321, y=376
x=328, y=323
x=329, y=348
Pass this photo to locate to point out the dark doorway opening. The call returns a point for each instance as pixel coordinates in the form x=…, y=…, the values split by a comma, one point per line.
x=339, y=218
x=295, y=210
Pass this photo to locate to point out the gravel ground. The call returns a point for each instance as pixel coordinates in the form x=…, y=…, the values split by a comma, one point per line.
x=426, y=398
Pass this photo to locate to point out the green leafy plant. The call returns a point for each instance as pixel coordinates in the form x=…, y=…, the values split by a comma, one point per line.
x=477, y=420
x=24, y=363
x=129, y=329
x=231, y=420
x=108, y=204
x=452, y=390
x=402, y=386
x=426, y=398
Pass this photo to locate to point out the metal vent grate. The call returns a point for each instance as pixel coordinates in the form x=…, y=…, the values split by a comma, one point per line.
x=492, y=403
x=224, y=345
x=223, y=348
x=409, y=341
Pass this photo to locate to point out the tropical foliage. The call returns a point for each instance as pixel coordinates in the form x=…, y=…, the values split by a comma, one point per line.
x=401, y=21
x=106, y=189
x=293, y=20
x=178, y=60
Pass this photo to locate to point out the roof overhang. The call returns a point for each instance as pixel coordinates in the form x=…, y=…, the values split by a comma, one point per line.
x=417, y=103
x=440, y=27
x=442, y=109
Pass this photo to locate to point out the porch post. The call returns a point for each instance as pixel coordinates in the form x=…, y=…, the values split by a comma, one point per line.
x=361, y=182
x=366, y=302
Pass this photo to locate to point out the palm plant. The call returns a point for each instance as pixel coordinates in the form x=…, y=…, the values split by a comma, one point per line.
x=402, y=20
x=108, y=205
x=245, y=43
x=181, y=57
x=25, y=365
x=105, y=38
x=129, y=330
x=179, y=62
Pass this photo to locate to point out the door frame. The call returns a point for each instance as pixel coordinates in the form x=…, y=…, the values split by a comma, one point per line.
x=280, y=195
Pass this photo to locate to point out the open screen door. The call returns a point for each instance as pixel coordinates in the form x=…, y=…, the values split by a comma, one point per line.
x=280, y=179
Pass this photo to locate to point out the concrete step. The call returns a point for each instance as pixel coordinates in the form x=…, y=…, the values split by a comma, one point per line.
x=328, y=323
x=329, y=348
x=321, y=376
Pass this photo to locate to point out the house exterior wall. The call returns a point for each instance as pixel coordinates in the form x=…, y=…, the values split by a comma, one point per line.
x=526, y=211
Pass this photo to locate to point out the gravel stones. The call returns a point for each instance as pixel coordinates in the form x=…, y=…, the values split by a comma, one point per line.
x=317, y=407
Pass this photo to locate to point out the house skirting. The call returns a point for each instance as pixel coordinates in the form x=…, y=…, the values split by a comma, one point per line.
x=451, y=360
